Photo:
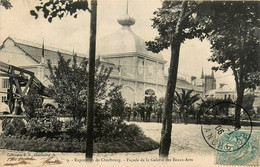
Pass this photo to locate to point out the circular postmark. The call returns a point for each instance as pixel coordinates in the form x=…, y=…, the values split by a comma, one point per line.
x=219, y=131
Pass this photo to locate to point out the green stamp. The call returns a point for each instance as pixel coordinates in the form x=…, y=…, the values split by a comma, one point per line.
x=248, y=154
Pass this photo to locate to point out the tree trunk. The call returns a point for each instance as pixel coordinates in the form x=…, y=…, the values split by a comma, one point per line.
x=91, y=77
x=167, y=112
x=240, y=93
x=240, y=96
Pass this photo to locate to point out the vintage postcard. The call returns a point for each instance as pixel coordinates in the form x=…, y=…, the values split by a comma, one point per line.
x=129, y=83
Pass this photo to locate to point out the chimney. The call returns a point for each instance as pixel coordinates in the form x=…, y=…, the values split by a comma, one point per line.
x=193, y=80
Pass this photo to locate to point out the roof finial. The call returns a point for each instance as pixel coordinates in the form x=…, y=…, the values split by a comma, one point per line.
x=126, y=20
x=43, y=56
x=127, y=7
x=43, y=47
x=212, y=73
x=202, y=74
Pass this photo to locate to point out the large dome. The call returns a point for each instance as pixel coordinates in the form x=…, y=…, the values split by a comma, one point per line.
x=124, y=42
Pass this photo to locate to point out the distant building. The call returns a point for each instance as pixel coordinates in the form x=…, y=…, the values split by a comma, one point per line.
x=141, y=72
x=257, y=98
x=223, y=92
x=206, y=82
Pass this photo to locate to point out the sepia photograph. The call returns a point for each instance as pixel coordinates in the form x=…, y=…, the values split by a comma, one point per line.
x=129, y=83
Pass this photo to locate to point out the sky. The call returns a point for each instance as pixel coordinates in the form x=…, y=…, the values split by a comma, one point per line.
x=70, y=33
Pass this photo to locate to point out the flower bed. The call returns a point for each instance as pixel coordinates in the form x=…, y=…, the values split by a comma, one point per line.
x=25, y=143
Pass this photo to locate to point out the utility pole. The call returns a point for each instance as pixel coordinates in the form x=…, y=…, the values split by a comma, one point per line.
x=91, y=77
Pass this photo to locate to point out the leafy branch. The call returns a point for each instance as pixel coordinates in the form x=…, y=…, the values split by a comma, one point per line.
x=60, y=8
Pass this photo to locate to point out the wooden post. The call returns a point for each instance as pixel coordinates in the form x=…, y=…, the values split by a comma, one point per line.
x=91, y=77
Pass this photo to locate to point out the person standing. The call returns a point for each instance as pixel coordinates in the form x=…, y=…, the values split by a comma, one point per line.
x=159, y=114
x=149, y=110
x=142, y=110
x=128, y=112
x=177, y=114
x=134, y=112
x=185, y=114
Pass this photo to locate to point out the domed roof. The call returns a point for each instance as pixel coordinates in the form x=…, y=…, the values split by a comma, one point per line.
x=124, y=42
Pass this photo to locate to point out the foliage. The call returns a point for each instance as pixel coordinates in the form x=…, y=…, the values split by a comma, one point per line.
x=6, y=4
x=106, y=131
x=235, y=44
x=151, y=100
x=116, y=130
x=24, y=143
x=57, y=8
x=45, y=123
x=180, y=20
x=234, y=41
x=116, y=103
x=32, y=102
x=185, y=99
x=73, y=129
x=70, y=82
x=258, y=110
x=212, y=106
x=248, y=102
x=175, y=22
x=161, y=100
x=13, y=126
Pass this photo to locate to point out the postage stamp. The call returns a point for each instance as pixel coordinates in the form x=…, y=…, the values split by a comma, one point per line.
x=248, y=155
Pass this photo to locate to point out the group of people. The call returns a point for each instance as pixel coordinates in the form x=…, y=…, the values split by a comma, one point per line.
x=143, y=112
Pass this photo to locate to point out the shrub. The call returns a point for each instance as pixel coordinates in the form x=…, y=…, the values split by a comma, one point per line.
x=258, y=109
x=116, y=102
x=40, y=145
x=32, y=102
x=74, y=129
x=45, y=123
x=116, y=130
x=13, y=126
x=248, y=101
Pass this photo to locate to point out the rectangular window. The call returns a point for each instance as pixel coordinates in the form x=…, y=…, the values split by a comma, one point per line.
x=5, y=83
x=3, y=98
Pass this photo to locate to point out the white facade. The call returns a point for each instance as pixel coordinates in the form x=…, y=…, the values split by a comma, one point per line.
x=141, y=72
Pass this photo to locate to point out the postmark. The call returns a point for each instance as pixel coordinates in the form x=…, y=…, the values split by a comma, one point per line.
x=219, y=131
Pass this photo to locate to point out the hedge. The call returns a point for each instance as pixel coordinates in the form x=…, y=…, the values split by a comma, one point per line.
x=47, y=145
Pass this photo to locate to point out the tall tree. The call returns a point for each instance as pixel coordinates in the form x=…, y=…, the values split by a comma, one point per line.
x=69, y=83
x=235, y=44
x=54, y=8
x=175, y=21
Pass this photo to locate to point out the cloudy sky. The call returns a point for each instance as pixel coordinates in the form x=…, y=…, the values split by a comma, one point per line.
x=70, y=33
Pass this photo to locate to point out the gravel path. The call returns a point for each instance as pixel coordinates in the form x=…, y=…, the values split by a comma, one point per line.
x=188, y=148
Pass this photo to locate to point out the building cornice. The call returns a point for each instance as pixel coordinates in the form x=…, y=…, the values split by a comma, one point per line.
x=130, y=54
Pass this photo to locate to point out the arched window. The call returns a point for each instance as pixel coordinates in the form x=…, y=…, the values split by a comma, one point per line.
x=149, y=92
x=149, y=96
